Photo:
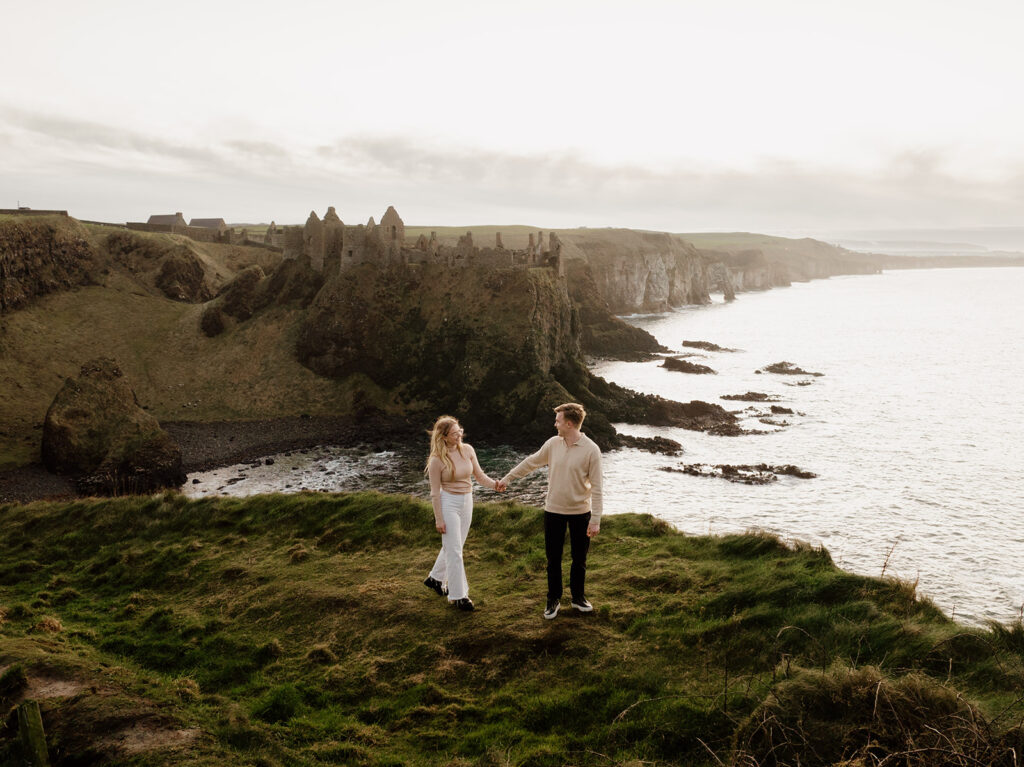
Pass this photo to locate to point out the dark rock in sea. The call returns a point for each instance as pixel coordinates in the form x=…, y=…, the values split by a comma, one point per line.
x=779, y=410
x=195, y=481
x=685, y=366
x=773, y=422
x=269, y=462
x=96, y=432
x=707, y=346
x=796, y=383
x=729, y=430
x=793, y=471
x=759, y=474
x=787, y=369
x=752, y=396
x=651, y=444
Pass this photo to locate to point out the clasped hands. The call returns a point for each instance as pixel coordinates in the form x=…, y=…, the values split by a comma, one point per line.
x=500, y=487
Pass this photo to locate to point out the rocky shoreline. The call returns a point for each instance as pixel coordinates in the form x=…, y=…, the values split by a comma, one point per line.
x=210, y=445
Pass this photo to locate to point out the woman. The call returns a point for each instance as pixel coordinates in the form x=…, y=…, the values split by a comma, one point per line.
x=451, y=468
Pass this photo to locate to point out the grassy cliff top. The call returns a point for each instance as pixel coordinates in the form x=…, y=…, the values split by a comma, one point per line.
x=296, y=630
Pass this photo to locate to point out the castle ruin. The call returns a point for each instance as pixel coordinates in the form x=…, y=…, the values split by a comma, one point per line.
x=329, y=245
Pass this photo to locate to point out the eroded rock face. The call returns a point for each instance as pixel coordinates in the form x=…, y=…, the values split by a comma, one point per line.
x=602, y=333
x=172, y=268
x=41, y=256
x=641, y=271
x=497, y=348
x=482, y=343
x=293, y=281
x=96, y=432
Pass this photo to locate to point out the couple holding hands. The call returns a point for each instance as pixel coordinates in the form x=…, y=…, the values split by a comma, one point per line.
x=573, y=502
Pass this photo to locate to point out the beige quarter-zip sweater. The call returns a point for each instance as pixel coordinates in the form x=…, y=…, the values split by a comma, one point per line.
x=574, y=476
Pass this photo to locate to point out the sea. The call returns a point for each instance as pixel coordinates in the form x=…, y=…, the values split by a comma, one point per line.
x=913, y=429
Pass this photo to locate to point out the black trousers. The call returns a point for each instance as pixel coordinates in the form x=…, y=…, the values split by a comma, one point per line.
x=579, y=544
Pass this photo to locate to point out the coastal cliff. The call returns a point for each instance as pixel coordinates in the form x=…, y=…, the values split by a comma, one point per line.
x=760, y=262
x=640, y=271
x=499, y=348
x=477, y=342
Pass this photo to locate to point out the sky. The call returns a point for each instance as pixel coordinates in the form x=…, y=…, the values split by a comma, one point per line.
x=733, y=115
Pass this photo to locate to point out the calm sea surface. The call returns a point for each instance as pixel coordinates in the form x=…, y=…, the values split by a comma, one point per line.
x=914, y=431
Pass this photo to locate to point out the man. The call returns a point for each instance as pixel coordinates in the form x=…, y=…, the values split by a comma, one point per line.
x=573, y=501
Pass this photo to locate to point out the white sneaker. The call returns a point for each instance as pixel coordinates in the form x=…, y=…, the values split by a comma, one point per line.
x=552, y=610
x=582, y=605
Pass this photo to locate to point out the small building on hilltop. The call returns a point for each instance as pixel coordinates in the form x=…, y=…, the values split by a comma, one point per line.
x=209, y=223
x=169, y=219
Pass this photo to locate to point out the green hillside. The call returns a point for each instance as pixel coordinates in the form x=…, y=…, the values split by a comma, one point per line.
x=295, y=630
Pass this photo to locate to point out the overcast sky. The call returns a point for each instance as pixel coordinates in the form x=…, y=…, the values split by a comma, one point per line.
x=679, y=116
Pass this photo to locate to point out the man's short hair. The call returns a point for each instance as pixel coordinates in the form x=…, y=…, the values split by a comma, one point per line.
x=573, y=413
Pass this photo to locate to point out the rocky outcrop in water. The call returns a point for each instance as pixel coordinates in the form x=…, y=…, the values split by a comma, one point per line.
x=707, y=346
x=96, y=431
x=685, y=366
x=746, y=474
x=752, y=396
x=787, y=369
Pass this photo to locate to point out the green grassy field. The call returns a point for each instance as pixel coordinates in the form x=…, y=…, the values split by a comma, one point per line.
x=177, y=372
x=295, y=630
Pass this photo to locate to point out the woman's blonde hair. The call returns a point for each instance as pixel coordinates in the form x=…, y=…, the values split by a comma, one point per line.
x=439, y=447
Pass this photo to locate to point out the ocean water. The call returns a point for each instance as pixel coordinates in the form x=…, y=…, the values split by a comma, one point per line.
x=914, y=431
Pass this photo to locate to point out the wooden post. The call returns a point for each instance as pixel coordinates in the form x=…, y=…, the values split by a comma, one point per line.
x=33, y=741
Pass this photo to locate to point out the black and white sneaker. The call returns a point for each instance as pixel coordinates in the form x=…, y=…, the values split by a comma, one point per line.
x=582, y=605
x=463, y=604
x=435, y=585
x=552, y=609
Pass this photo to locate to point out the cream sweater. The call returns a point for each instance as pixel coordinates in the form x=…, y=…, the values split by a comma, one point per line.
x=574, y=476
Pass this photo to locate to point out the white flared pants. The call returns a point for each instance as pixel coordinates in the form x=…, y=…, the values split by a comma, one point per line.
x=457, y=511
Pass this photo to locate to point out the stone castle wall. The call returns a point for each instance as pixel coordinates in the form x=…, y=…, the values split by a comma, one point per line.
x=329, y=245
x=198, y=233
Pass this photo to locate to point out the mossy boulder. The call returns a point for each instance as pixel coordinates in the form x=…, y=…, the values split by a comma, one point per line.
x=96, y=431
x=240, y=297
x=182, y=278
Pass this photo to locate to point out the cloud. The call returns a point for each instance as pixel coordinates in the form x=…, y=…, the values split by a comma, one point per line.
x=432, y=182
